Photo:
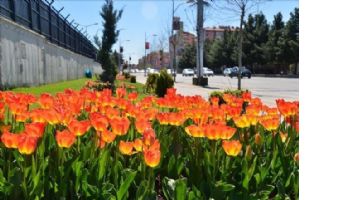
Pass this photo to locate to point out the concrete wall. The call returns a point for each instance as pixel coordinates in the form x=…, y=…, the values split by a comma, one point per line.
x=28, y=58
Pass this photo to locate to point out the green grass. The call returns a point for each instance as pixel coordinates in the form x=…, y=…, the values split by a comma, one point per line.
x=53, y=88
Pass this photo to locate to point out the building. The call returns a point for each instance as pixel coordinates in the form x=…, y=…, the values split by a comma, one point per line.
x=180, y=40
x=155, y=59
x=213, y=33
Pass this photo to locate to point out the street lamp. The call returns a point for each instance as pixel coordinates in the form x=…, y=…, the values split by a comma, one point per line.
x=86, y=26
x=120, y=54
x=145, y=51
x=173, y=38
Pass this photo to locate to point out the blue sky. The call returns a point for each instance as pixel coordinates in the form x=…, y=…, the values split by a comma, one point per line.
x=154, y=17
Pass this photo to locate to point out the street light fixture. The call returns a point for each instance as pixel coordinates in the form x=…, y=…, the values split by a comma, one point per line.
x=174, y=67
x=120, y=53
x=145, y=51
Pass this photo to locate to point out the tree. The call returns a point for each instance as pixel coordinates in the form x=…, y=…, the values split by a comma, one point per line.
x=109, y=37
x=188, y=58
x=290, y=39
x=260, y=35
x=273, y=44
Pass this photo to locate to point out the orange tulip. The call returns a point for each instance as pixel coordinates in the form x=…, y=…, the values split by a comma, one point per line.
x=10, y=140
x=35, y=129
x=142, y=125
x=257, y=139
x=98, y=121
x=107, y=136
x=46, y=101
x=152, y=157
x=133, y=96
x=22, y=117
x=283, y=137
x=120, y=125
x=17, y=108
x=65, y=138
x=214, y=101
x=112, y=113
x=195, y=131
x=246, y=96
x=120, y=92
x=242, y=121
x=100, y=143
x=51, y=116
x=296, y=157
x=148, y=137
x=270, y=124
x=232, y=148
x=287, y=108
x=37, y=116
x=126, y=148
x=138, y=145
x=79, y=128
x=26, y=144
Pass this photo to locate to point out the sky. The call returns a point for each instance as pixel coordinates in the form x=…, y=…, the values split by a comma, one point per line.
x=153, y=18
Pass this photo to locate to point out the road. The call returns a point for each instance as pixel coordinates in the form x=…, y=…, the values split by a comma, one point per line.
x=267, y=89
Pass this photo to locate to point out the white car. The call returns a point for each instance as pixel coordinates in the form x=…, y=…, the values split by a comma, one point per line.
x=207, y=72
x=187, y=72
x=227, y=71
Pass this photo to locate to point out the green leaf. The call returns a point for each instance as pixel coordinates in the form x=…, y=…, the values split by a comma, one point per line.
x=130, y=175
x=180, y=189
x=171, y=165
x=223, y=186
x=102, y=164
x=257, y=178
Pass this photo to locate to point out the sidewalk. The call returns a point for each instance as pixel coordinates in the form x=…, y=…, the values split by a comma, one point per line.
x=267, y=89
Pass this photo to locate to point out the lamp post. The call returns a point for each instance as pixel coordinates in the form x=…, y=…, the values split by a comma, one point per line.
x=86, y=26
x=174, y=67
x=146, y=46
x=120, y=70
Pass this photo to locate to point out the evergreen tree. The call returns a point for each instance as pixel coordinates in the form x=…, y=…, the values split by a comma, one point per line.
x=290, y=39
x=273, y=44
x=260, y=36
x=188, y=58
x=109, y=37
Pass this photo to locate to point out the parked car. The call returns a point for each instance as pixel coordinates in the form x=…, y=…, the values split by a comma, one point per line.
x=152, y=71
x=207, y=72
x=187, y=72
x=245, y=72
x=227, y=71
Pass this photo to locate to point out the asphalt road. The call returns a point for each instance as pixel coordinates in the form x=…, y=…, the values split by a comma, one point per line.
x=267, y=89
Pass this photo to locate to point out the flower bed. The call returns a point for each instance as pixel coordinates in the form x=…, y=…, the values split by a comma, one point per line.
x=98, y=145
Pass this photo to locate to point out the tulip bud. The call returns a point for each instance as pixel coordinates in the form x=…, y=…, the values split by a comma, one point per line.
x=257, y=139
x=248, y=152
x=296, y=157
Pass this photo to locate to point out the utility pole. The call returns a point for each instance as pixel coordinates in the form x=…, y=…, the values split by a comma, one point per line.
x=145, y=54
x=199, y=48
x=242, y=9
x=173, y=41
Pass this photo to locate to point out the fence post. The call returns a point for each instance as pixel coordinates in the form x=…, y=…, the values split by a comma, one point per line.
x=30, y=14
x=49, y=22
x=13, y=9
x=39, y=17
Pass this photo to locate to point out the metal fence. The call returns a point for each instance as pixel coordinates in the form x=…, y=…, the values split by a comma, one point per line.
x=41, y=17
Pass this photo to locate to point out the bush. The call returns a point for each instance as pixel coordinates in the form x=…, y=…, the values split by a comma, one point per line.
x=133, y=79
x=219, y=94
x=151, y=82
x=163, y=82
x=126, y=75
